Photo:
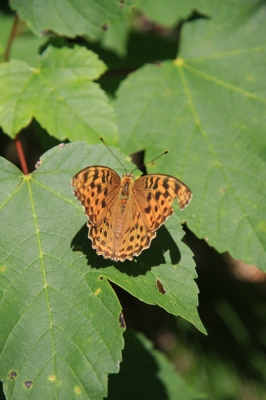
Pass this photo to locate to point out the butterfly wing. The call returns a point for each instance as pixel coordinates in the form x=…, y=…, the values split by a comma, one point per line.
x=154, y=195
x=96, y=188
x=134, y=236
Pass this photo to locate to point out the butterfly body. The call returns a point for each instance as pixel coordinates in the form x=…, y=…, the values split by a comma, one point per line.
x=125, y=193
x=124, y=213
x=121, y=211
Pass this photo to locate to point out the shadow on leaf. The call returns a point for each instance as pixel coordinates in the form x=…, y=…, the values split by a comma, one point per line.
x=138, y=377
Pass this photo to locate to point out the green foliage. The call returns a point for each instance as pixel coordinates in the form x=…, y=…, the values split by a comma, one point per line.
x=75, y=17
x=160, y=380
x=61, y=300
x=60, y=335
x=59, y=93
x=208, y=107
x=59, y=315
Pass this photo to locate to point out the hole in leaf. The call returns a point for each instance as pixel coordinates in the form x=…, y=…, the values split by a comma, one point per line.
x=160, y=287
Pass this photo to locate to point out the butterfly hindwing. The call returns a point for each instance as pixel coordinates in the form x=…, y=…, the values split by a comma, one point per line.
x=109, y=243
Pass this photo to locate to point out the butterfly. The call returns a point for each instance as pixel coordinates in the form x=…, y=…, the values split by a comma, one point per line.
x=123, y=213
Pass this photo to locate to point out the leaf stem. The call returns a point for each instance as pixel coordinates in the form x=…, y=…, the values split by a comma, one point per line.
x=10, y=39
x=21, y=156
x=18, y=145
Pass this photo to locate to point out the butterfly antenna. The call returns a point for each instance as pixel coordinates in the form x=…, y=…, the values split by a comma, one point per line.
x=150, y=161
x=113, y=153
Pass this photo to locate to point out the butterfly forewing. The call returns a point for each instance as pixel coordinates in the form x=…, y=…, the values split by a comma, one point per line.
x=96, y=188
x=155, y=194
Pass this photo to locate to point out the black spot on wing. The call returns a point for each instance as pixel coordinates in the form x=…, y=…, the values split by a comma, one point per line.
x=155, y=186
x=85, y=176
x=157, y=195
x=147, y=209
x=165, y=183
x=96, y=173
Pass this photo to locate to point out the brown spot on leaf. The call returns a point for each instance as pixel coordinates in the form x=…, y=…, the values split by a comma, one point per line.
x=122, y=321
x=28, y=384
x=12, y=374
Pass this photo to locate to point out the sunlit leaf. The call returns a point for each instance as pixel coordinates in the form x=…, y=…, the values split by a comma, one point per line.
x=59, y=93
x=208, y=108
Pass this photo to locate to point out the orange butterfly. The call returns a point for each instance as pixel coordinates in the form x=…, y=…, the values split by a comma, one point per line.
x=123, y=213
